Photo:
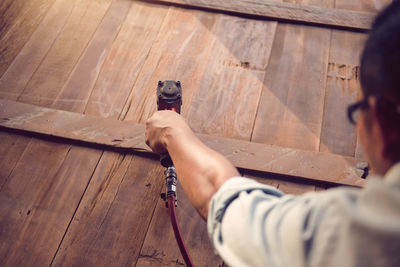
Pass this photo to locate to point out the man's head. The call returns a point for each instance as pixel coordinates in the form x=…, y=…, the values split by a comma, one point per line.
x=379, y=126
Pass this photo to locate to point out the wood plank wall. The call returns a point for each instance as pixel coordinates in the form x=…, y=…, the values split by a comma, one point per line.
x=62, y=204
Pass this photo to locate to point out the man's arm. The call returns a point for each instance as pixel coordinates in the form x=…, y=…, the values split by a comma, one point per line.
x=201, y=170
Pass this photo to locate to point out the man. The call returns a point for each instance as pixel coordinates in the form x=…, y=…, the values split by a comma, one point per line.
x=251, y=224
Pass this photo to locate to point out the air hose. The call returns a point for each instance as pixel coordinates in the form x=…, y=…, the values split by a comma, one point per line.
x=177, y=232
x=169, y=97
x=170, y=198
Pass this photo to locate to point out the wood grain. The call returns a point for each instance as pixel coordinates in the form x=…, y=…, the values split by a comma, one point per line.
x=270, y=9
x=236, y=61
x=25, y=65
x=51, y=168
x=49, y=189
x=224, y=103
x=178, y=53
x=80, y=85
x=125, y=60
x=342, y=88
x=306, y=164
x=18, y=74
x=343, y=85
x=11, y=148
x=160, y=247
x=291, y=106
x=111, y=222
x=55, y=69
x=18, y=20
x=115, y=188
x=36, y=211
x=362, y=5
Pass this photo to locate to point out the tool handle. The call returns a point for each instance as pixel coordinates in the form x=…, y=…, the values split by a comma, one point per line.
x=169, y=97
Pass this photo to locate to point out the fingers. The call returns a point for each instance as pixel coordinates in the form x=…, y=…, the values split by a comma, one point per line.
x=153, y=134
x=161, y=123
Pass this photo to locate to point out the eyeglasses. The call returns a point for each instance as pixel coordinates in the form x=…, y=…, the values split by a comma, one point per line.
x=352, y=110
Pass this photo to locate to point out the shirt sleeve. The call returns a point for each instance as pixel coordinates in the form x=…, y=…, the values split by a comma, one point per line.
x=251, y=224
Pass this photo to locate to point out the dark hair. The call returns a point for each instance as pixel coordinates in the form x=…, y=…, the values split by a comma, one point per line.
x=380, y=60
x=380, y=74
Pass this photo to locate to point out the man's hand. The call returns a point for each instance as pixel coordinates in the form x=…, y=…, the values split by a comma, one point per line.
x=201, y=170
x=162, y=126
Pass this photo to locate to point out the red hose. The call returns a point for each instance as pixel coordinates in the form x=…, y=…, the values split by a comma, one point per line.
x=177, y=232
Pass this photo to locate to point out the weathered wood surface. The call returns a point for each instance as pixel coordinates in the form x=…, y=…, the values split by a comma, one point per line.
x=208, y=94
x=116, y=191
x=18, y=74
x=18, y=20
x=129, y=135
x=66, y=51
x=224, y=104
x=111, y=223
x=128, y=245
x=271, y=9
x=291, y=106
x=48, y=176
x=74, y=205
x=160, y=247
x=342, y=87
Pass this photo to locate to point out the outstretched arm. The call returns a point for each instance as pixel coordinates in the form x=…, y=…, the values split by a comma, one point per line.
x=201, y=170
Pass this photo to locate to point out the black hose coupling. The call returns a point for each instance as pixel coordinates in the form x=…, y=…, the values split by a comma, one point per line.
x=171, y=181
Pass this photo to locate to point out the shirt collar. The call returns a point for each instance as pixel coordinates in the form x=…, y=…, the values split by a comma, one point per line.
x=393, y=174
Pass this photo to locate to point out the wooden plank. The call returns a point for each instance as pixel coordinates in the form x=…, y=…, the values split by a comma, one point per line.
x=178, y=53
x=11, y=148
x=61, y=16
x=160, y=247
x=44, y=196
x=17, y=76
x=117, y=231
x=270, y=9
x=371, y=6
x=57, y=10
x=343, y=85
x=342, y=89
x=224, y=104
x=18, y=20
x=37, y=203
x=234, y=69
x=111, y=222
x=307, y=164
x=81, y=83
x=291, y=106
x=121, y=70
x=64, y=53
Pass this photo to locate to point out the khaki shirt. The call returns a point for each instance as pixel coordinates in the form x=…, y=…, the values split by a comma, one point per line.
x=251, y=224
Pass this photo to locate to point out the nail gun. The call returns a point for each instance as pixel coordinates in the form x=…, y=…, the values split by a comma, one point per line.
x=169, y=97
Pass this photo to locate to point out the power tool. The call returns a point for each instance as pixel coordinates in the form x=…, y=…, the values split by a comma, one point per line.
x=169, y=97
